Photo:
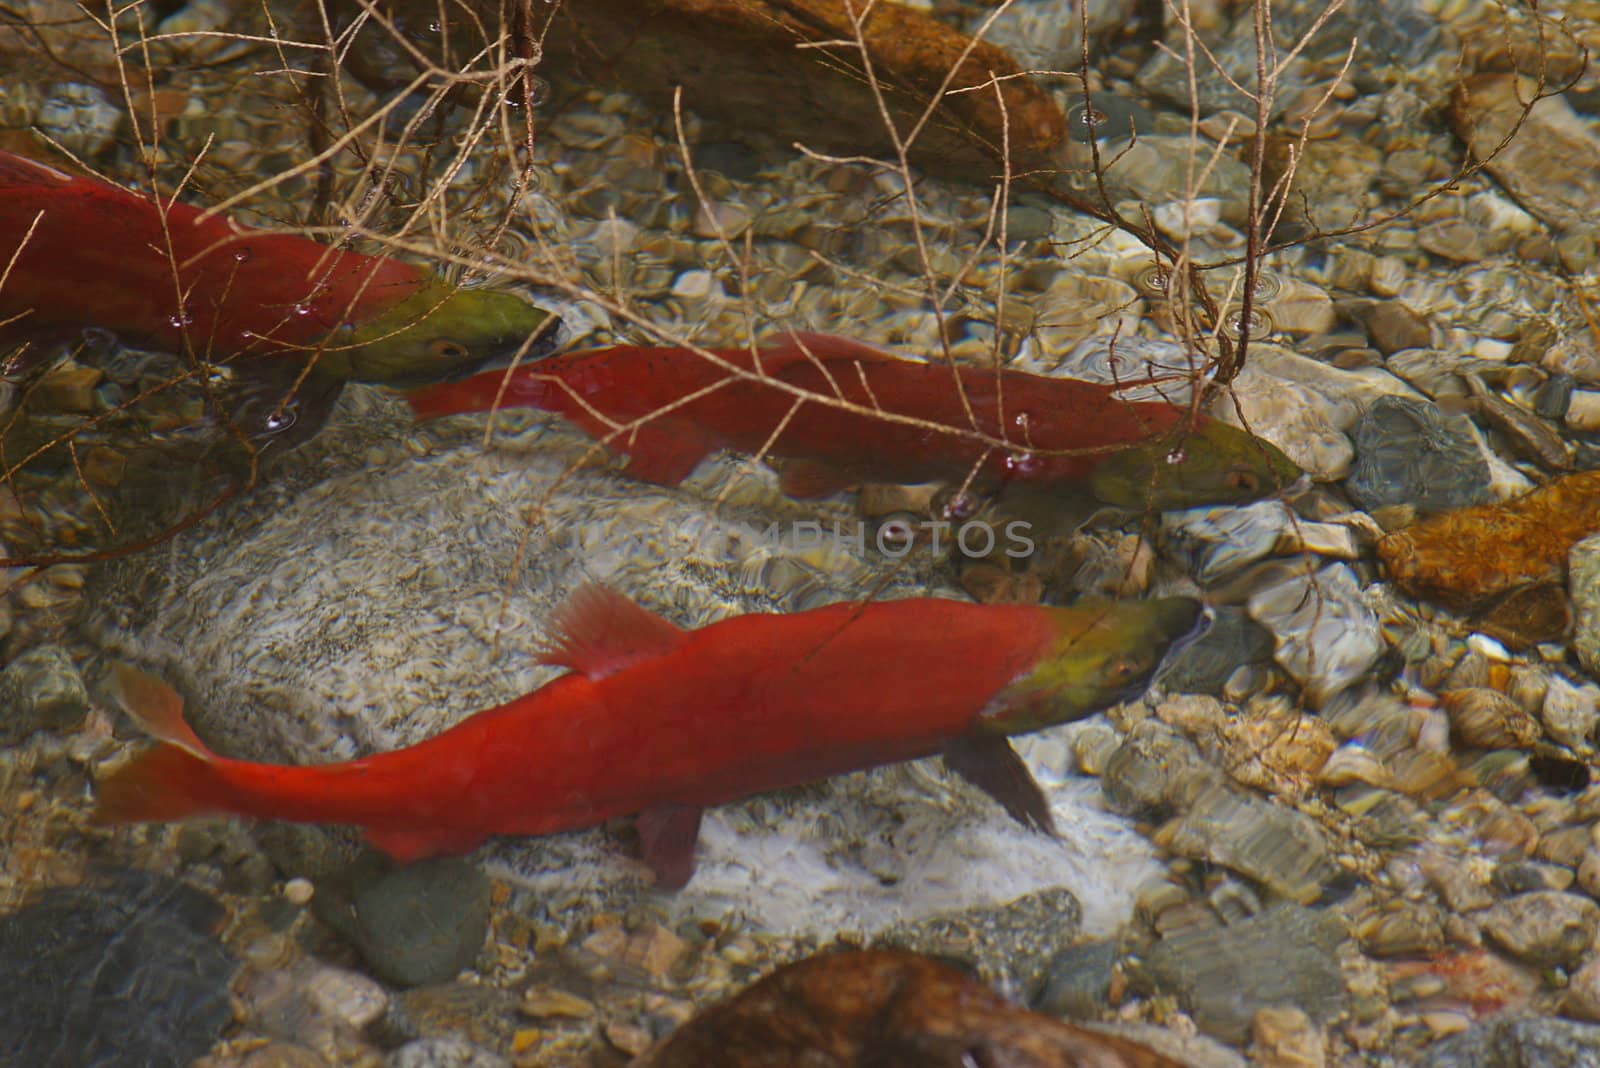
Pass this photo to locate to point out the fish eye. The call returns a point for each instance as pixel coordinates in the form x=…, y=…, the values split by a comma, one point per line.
x=1244, y=481
x=444, y=348
x=1123, y=669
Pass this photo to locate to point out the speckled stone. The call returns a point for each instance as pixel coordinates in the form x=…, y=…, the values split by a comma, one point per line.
x=1518, y=1043
x=1583, y=569
x=40, y=690
x=1544, y=927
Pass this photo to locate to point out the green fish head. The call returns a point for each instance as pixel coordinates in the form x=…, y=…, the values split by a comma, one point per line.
x=1104, y=652
x=1213, y=464
x=438, y=333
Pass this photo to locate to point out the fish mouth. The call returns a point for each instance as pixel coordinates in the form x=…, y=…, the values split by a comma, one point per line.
x=545, y=342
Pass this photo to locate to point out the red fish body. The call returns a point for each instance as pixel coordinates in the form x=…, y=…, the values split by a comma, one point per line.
x=664, y=722
x=83, y=252
x=668, y=408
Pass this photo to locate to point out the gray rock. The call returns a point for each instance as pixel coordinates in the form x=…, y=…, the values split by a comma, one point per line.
x=1011, y=944
x=422, y=923
x=1274, y=845
x=1233, y=641
x=40, y=690
x=1078, y=981
x=1221, y=975
x=443, y=1053
x=1155, y=769
x=123, y=971
x=1326, y=634
x=1544, y=927
x=1583, y=568
x=1525, y=1043
x=1408, y=452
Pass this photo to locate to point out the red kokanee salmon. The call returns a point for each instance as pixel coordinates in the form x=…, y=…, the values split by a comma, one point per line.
x=668, y=408
x=662, y=722
x=85, y=253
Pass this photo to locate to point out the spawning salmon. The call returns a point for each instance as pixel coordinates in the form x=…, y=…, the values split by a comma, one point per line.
x=660, y=722
x=911, y=422
x=80, y=252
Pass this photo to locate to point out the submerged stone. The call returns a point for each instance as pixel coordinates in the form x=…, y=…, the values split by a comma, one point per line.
x=1408, y=452
x=1220, y=977
x=1517, y=1043
x=40, y=690
x=1467, y=559
x=1583, y=563
x=122, y=972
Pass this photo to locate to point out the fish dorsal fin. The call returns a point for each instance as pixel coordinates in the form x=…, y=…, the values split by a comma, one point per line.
x=788, y=350
x=18, y=172
x=598, y=631
x=156, y=708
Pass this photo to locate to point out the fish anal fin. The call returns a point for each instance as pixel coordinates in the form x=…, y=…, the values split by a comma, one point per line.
x=408, y=844
x=598, y=631
x=787, y=350
x=665, y=456
x=989, y=763
x=667, y=836
x=805, y=479
x=156, y=708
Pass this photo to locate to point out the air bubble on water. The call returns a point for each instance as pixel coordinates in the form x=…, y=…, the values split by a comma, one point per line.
x=536, y=93
x=280, y=420
x=180, y=320
x=303, y=309
x=1022, y=463
x=1176, y=456
x=241, y=254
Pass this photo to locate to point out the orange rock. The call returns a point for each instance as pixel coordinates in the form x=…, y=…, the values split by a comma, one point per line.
x=886, y=1009
x=1468, y=559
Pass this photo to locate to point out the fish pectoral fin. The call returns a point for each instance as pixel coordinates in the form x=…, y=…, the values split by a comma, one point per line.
x=660, y=455
x=989, y=763
x=805, y=479
x=410, y=844
x=667, y=836
x=598, y=631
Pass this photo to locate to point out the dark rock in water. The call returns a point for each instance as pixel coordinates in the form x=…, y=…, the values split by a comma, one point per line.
x=1204, y=665
x=1409, y=452
x=40, y=690
x=888, y=1009
x=1272, y=844
x=1154, y=770
x=121, y=972
x=1011, y=944
x=1222, y=975
x=1526, y=1043
x=1392, y=326
x=443, y=1053
x=414, y=925
x=1078, y=983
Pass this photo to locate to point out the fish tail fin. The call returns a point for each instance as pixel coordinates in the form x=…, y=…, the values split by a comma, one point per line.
x=176, y=778
x=160, y=784
x=157, y=709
